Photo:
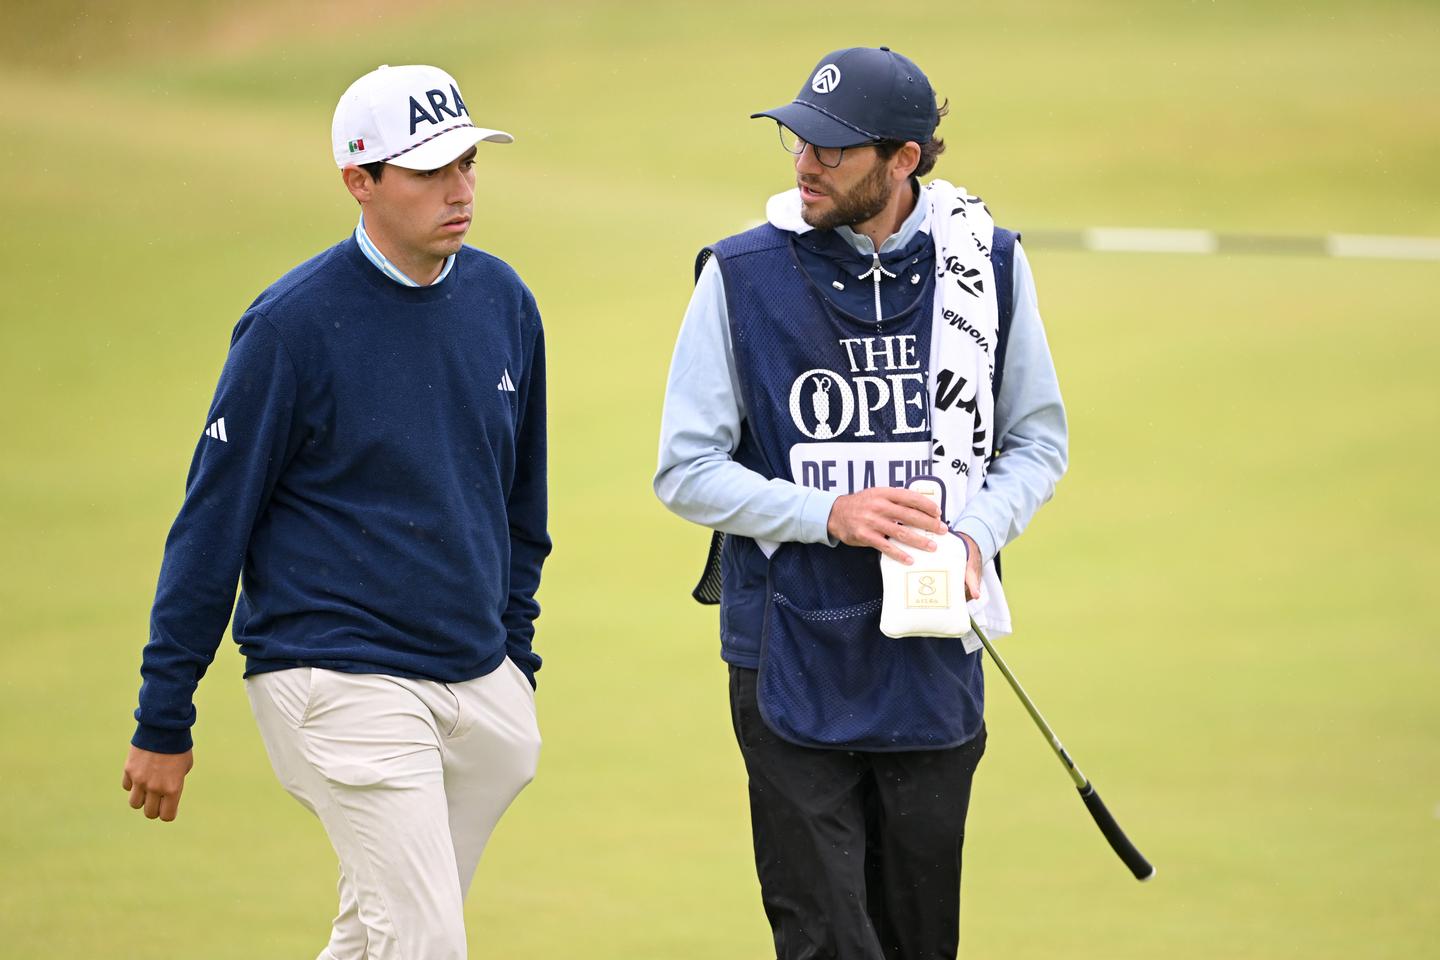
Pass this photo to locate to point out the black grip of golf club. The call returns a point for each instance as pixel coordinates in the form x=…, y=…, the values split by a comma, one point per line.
x=1120, y=843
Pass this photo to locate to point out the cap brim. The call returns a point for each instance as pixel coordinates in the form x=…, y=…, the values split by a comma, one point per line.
x=434, y=154
x=814, y=127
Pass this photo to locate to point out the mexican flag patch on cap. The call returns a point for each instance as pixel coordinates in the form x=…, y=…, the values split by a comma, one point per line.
x=357, y=146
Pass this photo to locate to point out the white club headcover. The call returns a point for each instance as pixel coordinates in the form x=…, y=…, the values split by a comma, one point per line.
x=927, y=598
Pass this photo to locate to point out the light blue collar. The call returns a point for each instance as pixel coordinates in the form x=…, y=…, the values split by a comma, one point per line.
x=383, y=264
x=896, y=240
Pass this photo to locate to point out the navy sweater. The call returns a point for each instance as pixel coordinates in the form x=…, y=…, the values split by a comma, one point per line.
x=378, y=487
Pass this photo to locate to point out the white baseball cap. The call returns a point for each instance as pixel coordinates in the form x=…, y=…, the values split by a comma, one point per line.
x=410, y=116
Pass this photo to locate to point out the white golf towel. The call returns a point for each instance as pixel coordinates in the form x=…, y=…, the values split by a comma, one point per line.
x=962, y=369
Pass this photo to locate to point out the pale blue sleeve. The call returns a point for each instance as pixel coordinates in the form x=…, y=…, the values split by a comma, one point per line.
x=700, y=431
x=1030, y=430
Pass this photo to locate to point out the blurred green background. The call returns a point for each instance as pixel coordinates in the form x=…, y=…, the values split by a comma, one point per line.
x=1228, y=612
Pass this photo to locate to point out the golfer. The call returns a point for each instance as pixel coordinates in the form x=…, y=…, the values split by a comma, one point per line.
x=871, y=331
x=373, y=471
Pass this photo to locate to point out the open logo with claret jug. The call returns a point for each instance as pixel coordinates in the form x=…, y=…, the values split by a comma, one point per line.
x=826, y=79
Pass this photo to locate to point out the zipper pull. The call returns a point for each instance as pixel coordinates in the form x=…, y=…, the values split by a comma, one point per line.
x=875, y=272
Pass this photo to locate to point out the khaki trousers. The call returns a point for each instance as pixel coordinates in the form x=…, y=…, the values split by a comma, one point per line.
x=409, y=778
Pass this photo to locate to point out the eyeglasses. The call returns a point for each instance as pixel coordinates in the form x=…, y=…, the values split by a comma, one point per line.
x=794, y=145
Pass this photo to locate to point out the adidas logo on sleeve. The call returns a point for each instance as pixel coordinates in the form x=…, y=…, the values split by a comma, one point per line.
x=217, y=431
x=506, y=384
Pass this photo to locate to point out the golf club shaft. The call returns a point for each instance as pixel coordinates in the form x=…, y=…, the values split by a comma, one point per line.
x=1120, y=843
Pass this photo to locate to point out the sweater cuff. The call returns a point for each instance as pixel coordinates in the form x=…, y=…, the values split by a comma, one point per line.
x=977, y=530
x=815, y=517
x=161, y=739
x=527, y=664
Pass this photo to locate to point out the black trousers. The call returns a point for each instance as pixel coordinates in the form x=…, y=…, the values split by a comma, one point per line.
x=858, y=853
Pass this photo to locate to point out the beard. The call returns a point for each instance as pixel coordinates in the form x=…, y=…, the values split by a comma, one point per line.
x=860, y=203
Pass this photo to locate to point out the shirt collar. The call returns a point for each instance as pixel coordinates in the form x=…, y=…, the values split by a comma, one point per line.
x=912, y=225
x=383, y=264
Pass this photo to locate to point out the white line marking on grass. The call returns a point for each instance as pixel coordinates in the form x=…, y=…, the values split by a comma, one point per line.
x=1150, y=240
x=1144, y=240
x=1383, y=248
x=1140, y=240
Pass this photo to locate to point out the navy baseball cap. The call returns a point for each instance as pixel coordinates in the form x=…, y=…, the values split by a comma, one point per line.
x=861, y=94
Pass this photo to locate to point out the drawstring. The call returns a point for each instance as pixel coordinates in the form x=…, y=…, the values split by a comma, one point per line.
x=875, y=271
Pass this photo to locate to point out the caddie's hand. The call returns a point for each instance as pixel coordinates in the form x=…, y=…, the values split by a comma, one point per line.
x=867, y=518
x=972, y=568
x=155, y=781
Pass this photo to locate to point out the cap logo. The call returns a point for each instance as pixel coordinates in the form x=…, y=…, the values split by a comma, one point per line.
x=439, y=105
x=357, y=146
x=826, y=79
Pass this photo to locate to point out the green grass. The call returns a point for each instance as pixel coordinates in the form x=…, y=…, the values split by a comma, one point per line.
x=1228, y=611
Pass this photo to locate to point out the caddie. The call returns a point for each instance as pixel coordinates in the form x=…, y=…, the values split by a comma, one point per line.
x=373, y=471
x=871, y=331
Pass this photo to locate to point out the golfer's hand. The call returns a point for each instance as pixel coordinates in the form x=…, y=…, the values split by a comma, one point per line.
x=972, y=568
x=155, y=781
x=867, y=518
